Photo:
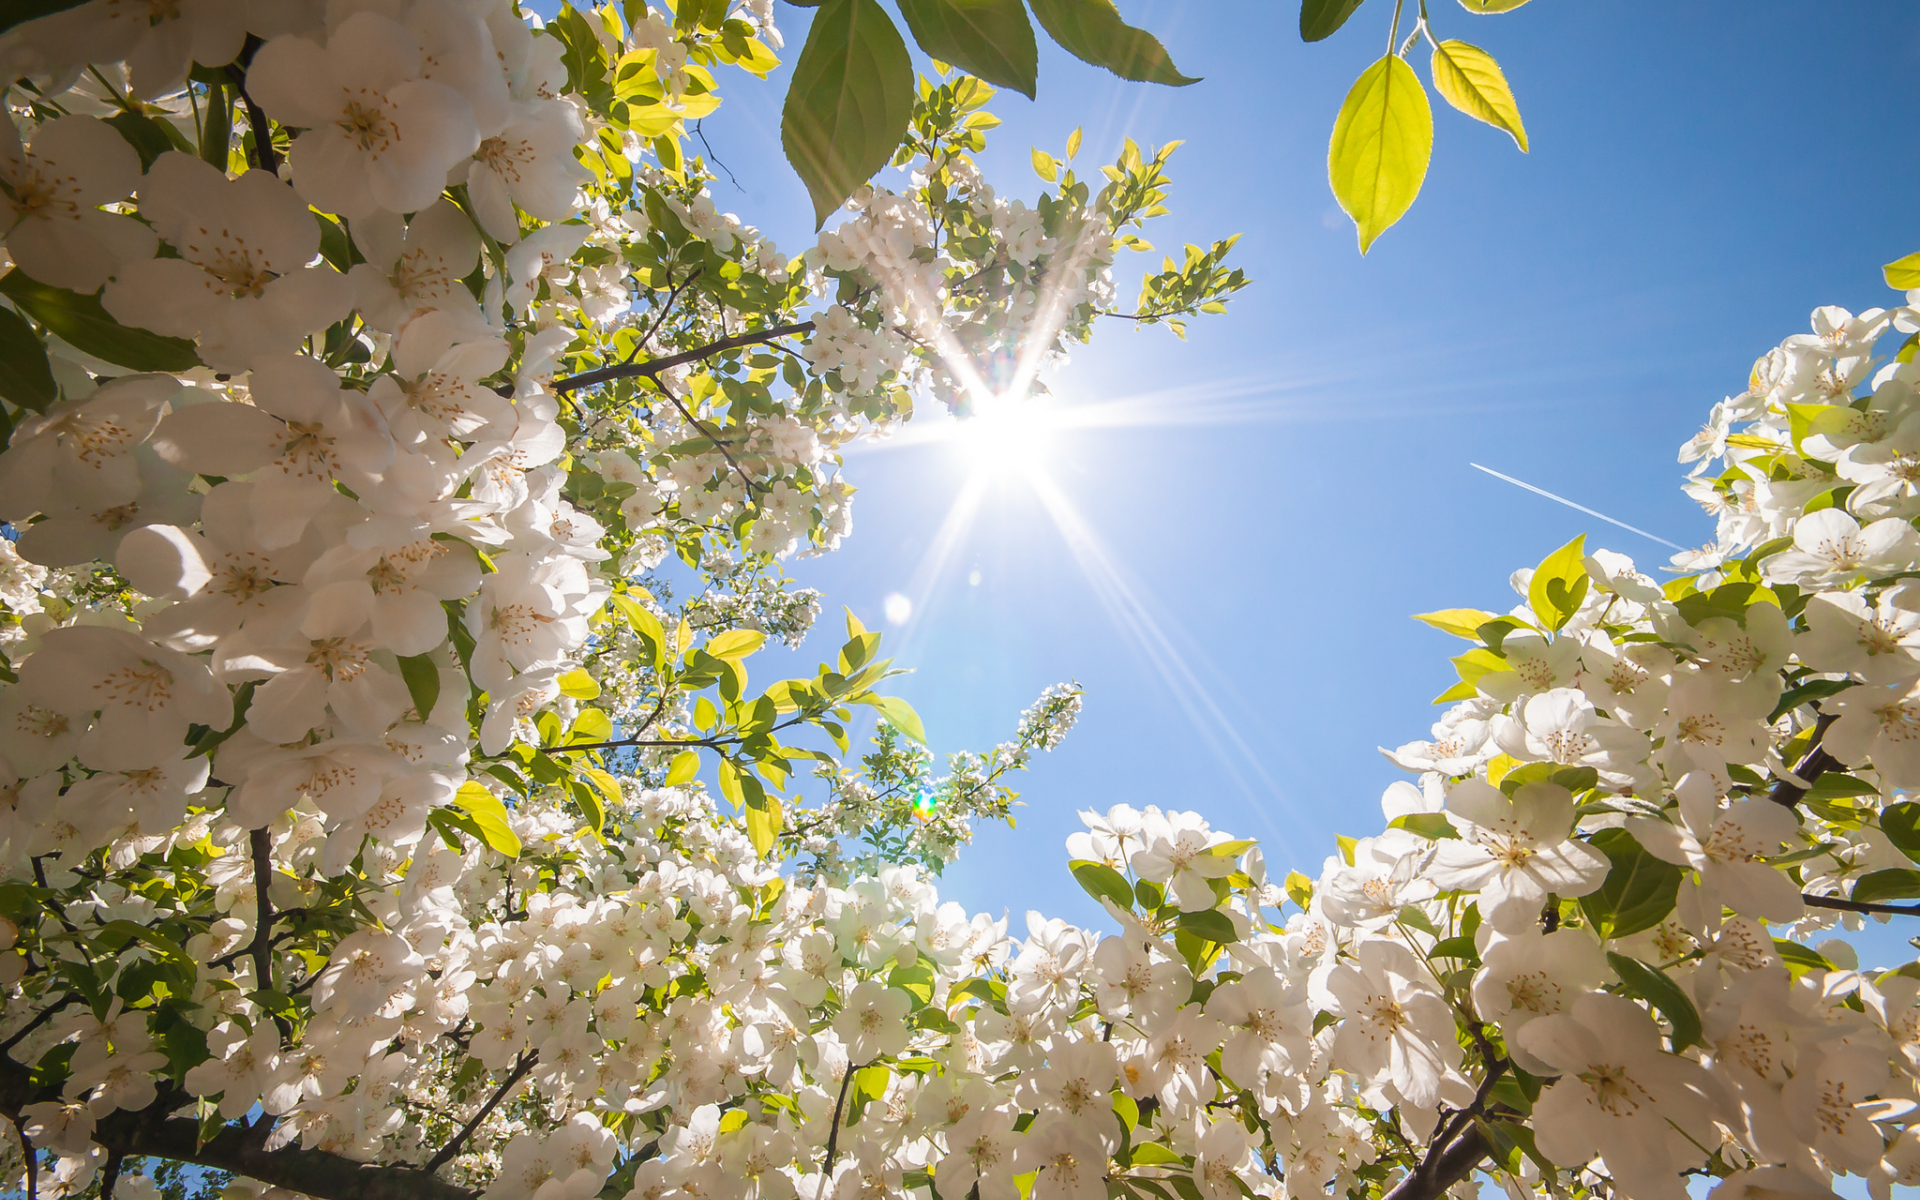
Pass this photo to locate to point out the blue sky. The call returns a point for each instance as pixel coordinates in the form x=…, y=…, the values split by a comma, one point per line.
x=1701, y=177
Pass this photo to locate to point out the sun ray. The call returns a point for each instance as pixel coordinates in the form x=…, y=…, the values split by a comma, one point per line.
x=1126, y=601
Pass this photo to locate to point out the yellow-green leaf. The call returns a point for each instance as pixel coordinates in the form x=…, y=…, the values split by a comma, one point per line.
x=1073, y=142
x=491, y=816
x=1559, y=584
x=579, y=685
x=1460, y=622
x=1485, y=7
x=854, y=627
x=1903, y=273
x=764, y=824
x=1382, y=141
x=686, y=765
x=1045, y=166
x=607, y=785
x=730, y=783
x=901, y=716
x=736, y=643
x=1472, y=82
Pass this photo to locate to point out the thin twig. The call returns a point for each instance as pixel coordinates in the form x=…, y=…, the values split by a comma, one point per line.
x=520, y=1067
x=19, y=1035
x=716, y=158
x=833, y=1131
x=654, y=367
x=1858, y=906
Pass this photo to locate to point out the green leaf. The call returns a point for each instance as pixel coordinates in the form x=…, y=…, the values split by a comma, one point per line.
x=1322, y=18
x=901, y=716
x=1652, y=985
x=1433, y=826
x=1472, y=82
x=1045, y=165
x=1153, y=1154
x=1901, y=823
x=1903, y=273
x=491, y=816
x=14, y=12
x=1812, y=689
x=916, y=980
x=1559, y=584
x=25, y=376
x=1878, y=887
x=686, y=765
x=1800, y=959
x=765, y=820
x=1092, y=31
x=1382, y=141
x=578, y=684
x=1103, y=882
x=1491, y=6
x=1639, y=890
x=1299, y=889
x=1460, y=622
x=849, y=102
x=82, y=323
x=422, y=675
x=1209, y=923
x=148, y=137
x=989, y=38
x=736, y=643
x=607, y=785
x=588, y=804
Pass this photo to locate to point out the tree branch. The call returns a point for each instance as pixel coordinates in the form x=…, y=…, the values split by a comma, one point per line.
x=263, y=151
x=520, y=1068
x=1857, y=906
x=1815, y=763
x=654, y=367
x=833, y=1130
x=1435, y=1176
x=262, y=948
x=27, y=1152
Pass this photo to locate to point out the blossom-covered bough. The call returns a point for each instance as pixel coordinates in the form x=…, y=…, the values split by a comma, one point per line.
x=365, y=365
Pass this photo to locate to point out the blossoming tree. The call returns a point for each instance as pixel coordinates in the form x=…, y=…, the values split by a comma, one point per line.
x=362, y=365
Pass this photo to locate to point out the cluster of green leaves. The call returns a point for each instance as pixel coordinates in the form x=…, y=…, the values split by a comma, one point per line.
x=1198, y=934
x=1383, y=137
x=852, y=96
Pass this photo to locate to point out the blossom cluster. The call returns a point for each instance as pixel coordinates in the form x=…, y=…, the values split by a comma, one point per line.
x=369, y=794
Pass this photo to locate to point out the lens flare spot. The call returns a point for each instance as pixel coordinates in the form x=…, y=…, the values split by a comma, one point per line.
x=898, y=609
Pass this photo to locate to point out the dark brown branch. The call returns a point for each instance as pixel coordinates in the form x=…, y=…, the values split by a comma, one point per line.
x=1815, y=763
x=833, y=1130
x=111, y=1174
x=33, y=1158
x=520, y=1068
x=1435, y=1176
x=653, y=367
x=263, y=152
x=239, y=1148
x=41, y=1018
x=1857, y=906
x=719, y=443
x=262, y=948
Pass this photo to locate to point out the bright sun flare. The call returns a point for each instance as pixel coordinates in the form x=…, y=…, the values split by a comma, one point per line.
x=1005, y=435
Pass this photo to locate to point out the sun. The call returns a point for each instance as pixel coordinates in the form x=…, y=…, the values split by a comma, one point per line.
x=1005, y=435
